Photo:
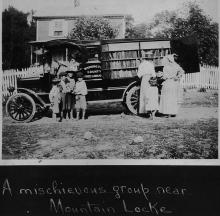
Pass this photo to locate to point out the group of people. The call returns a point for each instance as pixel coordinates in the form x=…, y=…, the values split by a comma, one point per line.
x=69, y=91
x=168, y=102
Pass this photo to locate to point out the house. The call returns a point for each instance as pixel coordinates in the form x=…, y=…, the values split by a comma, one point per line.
x=59, y=26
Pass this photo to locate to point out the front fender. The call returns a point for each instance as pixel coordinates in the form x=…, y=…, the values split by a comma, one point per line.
x=33, y=94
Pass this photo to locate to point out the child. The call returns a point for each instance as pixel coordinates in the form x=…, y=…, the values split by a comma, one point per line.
x=63, y=82
x=70, y=84
x=55, y=98
x=80, y=92
x=73, y=65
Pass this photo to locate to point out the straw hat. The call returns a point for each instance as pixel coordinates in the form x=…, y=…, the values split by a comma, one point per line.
x=79, y=75
x=55, y=80
x=63, y=73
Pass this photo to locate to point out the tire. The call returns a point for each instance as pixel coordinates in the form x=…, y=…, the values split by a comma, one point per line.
x=132, y=99
x=21, y=107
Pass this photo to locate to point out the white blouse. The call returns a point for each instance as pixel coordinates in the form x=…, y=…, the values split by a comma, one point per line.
x=81, y=88
x=146, y=67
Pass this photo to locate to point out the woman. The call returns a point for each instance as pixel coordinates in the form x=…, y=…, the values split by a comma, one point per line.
x=169, y=91
x=180, y=73
x=148, y=93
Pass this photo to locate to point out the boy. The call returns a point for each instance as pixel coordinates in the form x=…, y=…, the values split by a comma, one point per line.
x=80, y=92
x=55, y=98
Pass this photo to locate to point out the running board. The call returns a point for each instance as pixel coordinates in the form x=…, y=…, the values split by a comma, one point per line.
x=105, y=101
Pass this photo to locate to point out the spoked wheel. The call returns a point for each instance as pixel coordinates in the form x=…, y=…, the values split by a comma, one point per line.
x=21, y=107
x=132, y=99
x=39, y=111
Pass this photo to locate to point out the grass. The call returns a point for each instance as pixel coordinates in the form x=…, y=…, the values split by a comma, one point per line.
x=176, y=138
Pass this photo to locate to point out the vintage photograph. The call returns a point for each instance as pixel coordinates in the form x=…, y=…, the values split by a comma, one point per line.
x=117, y=79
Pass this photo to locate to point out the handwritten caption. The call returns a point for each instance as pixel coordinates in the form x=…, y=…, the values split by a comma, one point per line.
x=65, y=199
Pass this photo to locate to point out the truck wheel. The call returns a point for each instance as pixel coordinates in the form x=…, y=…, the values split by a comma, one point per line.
x=132, y=99
x=21, y=107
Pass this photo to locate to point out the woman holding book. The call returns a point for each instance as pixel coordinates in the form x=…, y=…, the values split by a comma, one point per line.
x=148, y=94
x=169, y=92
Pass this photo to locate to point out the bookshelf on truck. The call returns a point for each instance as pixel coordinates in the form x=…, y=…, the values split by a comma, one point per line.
x=110, y=68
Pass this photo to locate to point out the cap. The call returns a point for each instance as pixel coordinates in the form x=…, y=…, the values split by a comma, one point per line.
x=79, y=75
x=55, y=80
x=63, y=73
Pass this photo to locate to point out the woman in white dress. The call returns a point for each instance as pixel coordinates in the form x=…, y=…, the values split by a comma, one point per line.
x=148, y=94
x=169, y=91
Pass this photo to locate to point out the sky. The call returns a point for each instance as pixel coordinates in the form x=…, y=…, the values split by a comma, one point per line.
x=141, y=10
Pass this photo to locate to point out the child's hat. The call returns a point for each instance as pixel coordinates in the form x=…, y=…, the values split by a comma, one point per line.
x=63, y=73
x=55, y=80
x=79, y=75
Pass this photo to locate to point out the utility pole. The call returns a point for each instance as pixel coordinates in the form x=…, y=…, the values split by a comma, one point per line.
x=76, y=3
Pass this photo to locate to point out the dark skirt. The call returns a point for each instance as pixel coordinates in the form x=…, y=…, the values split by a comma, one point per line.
x=68, y=101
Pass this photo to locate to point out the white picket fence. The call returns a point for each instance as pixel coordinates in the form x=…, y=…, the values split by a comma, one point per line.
x=9, y=77
x=208, y=78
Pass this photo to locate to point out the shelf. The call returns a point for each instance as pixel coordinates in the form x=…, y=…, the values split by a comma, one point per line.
x=153, y=57
x=122, y=59
x=93, y=62
x=127, y=68
x=120, y=51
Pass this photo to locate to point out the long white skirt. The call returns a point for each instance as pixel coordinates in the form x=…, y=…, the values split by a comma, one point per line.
x=169, y=98
x=148, y=96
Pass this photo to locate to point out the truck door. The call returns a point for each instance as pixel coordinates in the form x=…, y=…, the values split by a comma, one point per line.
x=187, y=50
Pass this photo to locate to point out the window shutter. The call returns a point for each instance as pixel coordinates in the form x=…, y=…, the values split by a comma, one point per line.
x=58, y=25
x=51, y=28
x=65, y=28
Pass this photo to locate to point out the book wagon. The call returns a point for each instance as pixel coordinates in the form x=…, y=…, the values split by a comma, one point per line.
x=109, y=66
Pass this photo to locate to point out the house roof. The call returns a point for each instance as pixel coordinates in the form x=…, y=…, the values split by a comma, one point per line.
x=76, y=16
x=69, y=12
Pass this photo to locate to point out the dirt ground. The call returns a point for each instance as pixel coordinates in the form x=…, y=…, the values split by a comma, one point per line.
x=193, y=134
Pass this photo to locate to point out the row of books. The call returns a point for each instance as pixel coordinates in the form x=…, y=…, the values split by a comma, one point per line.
x=120, y=74
x=120, y=55
x=155, y=53
x=126, y=64
x=120, y=64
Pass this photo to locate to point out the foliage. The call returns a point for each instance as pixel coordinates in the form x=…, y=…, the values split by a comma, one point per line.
x=129, y=23
x=169, y=24
x=93, y=28
x=136, y=31
x=206, y=32
x=202, y=89
x=16, y=32
x=162, y=24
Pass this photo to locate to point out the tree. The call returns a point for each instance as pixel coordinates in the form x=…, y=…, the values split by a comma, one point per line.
x=162, y=24
x=168, y=24
x=15, y=34
x=93, y=28
x=129, y=26
x=202, y=27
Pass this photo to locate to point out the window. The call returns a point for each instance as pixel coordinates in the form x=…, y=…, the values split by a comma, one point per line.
x=58, y=28
x=58, y=33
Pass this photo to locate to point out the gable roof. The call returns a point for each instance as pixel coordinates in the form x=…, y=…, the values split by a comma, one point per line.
x=80, y=11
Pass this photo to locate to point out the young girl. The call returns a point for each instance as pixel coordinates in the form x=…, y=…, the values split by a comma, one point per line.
x=70, y=84
x=80, y=92
x=55, y=98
